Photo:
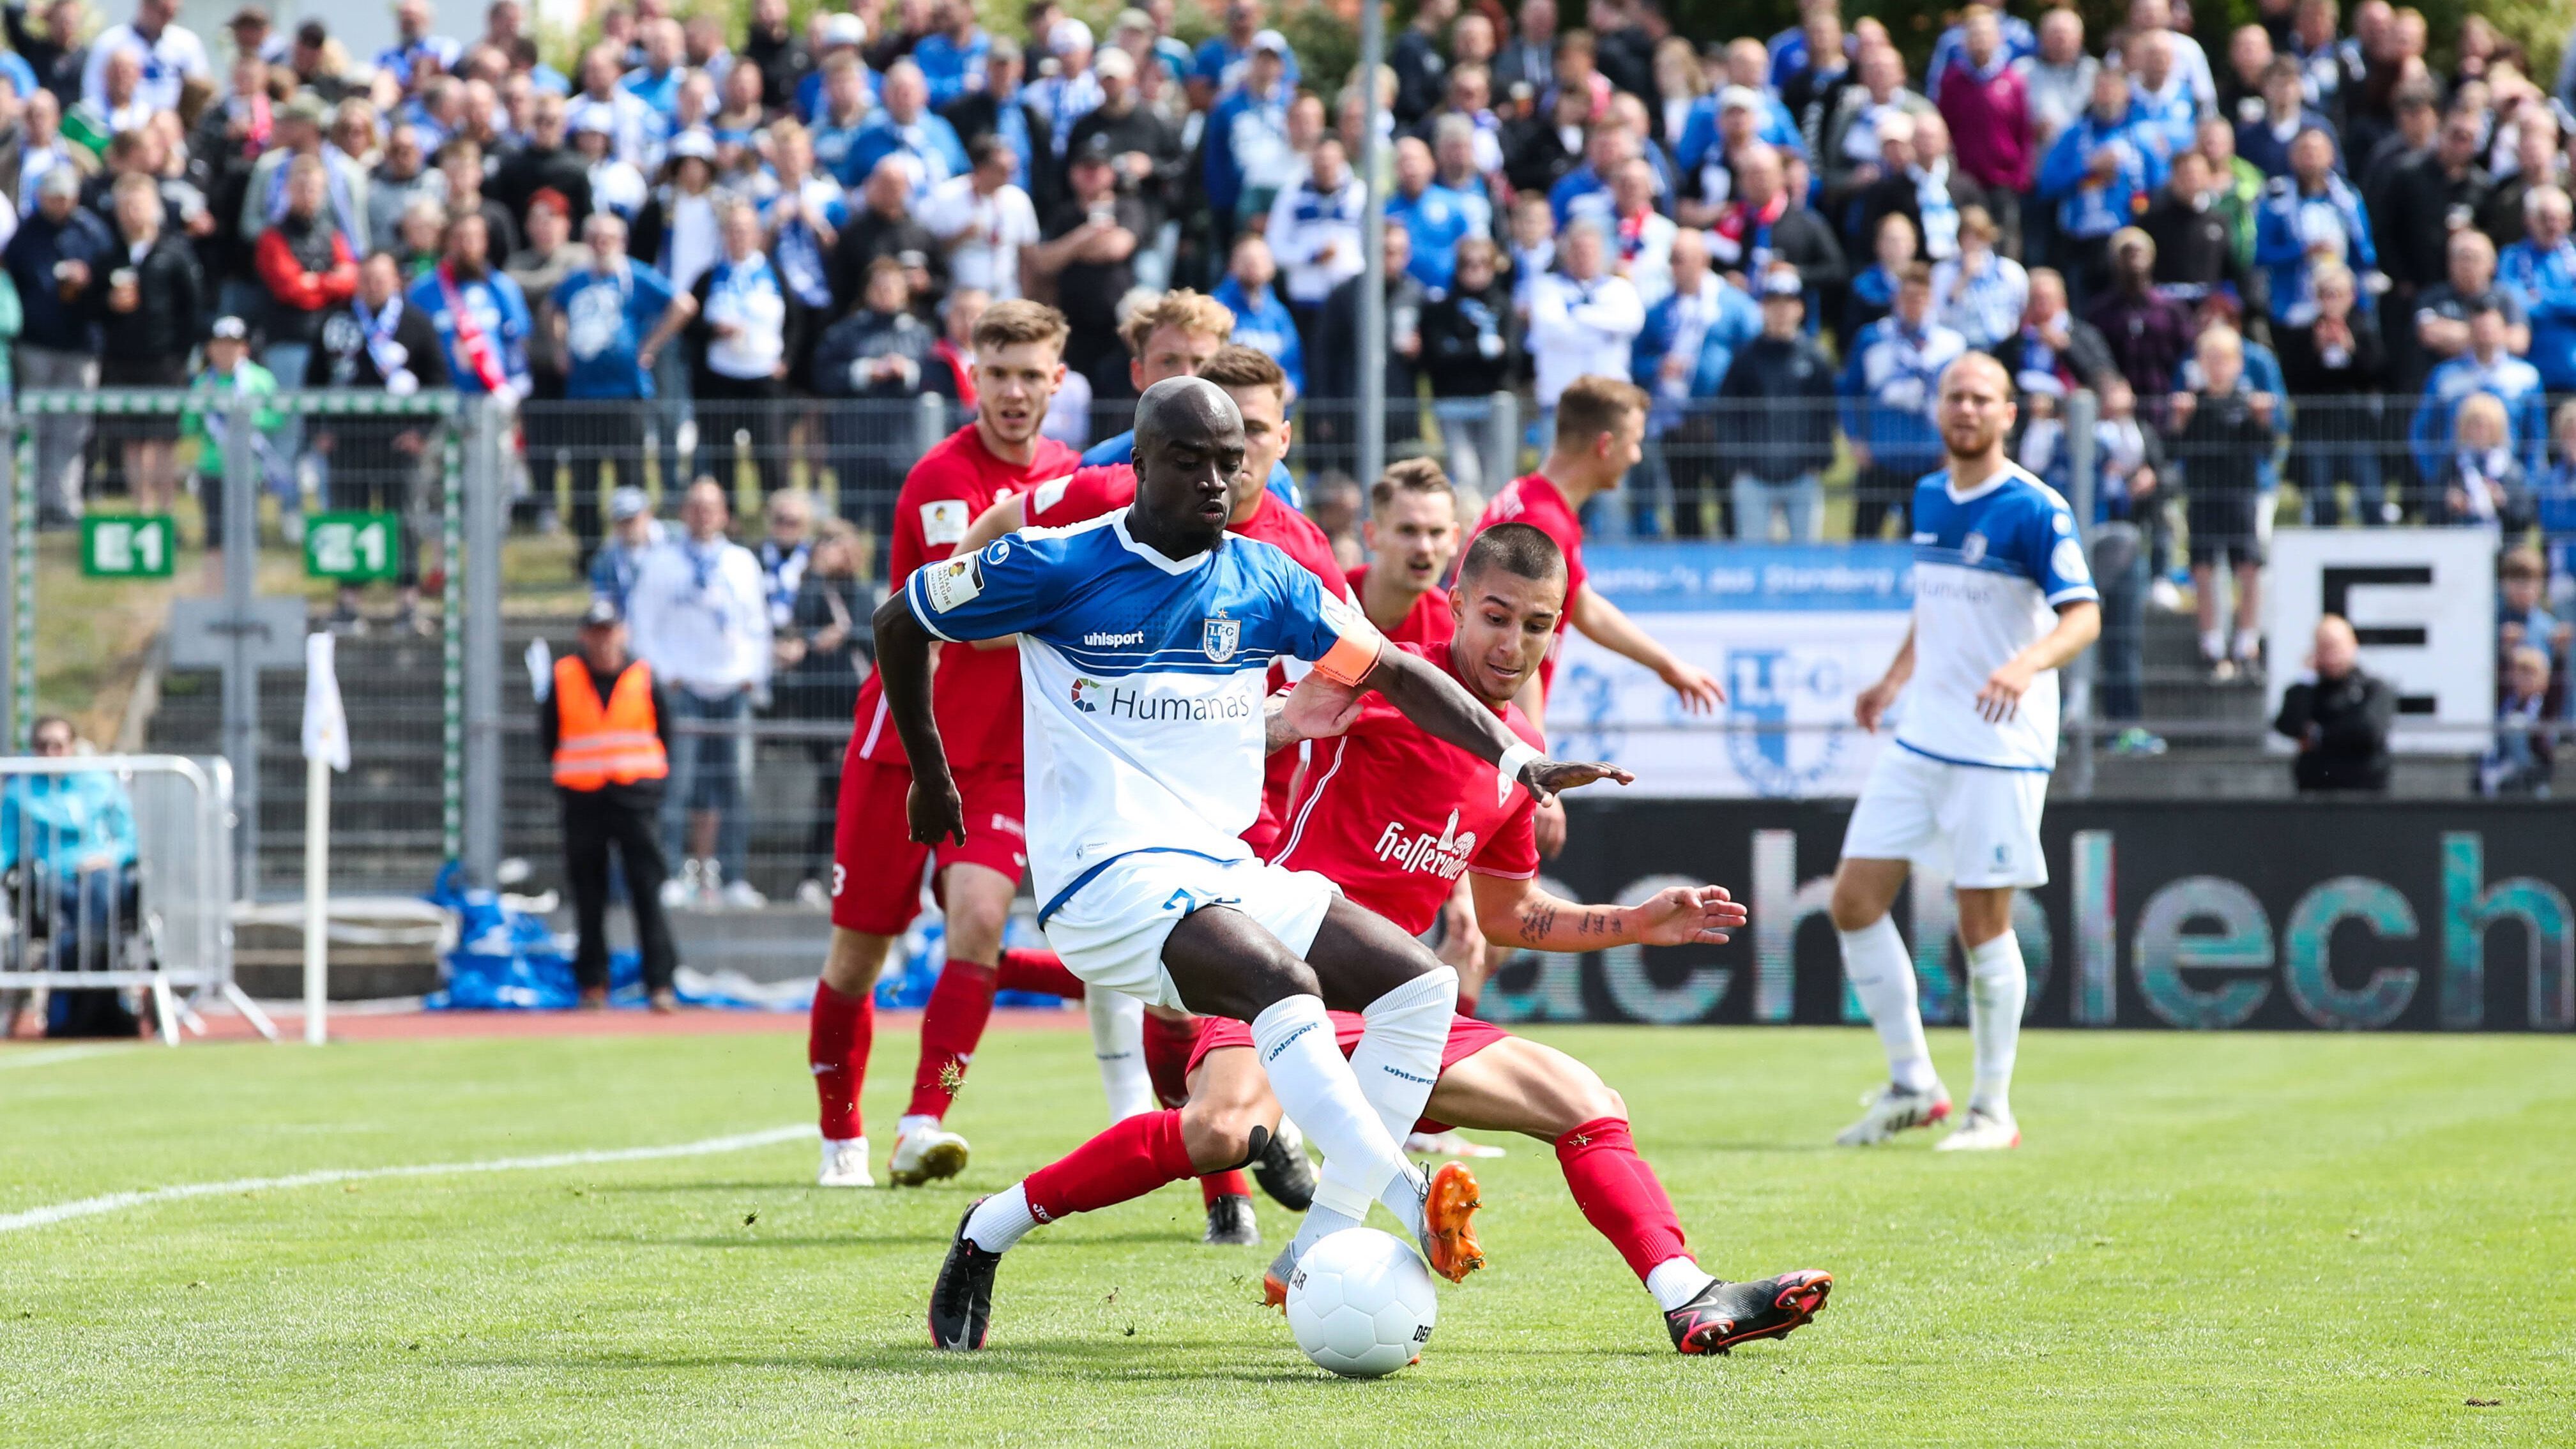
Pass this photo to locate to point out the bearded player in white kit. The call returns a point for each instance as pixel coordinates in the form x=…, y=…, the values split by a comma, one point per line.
x=2002, y=598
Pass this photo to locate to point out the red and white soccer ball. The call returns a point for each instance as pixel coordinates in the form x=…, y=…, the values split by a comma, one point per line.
x=1360, y=1303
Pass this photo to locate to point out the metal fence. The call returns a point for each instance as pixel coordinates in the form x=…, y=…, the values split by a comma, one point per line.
x=505, y=520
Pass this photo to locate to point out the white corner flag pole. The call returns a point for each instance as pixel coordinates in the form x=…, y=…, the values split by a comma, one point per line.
x=326, y=748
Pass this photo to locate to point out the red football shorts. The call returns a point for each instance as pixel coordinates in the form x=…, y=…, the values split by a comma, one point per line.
x=877, y=869
x=1467, y=1036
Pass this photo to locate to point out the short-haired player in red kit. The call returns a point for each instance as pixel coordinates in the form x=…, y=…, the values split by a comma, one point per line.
x=876, y=868
x=1600, y=432
x=1394, y=817
x=1260, y=391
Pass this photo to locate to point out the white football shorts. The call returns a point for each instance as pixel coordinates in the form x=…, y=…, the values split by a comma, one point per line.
x=1980, y=821
x=1111, y=932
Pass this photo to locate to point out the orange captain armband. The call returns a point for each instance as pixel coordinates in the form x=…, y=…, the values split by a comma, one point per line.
x=1354, y=654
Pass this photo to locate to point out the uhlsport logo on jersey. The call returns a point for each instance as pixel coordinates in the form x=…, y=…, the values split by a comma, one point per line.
x=1776, y=700
x=1221, y=637
x=1444, y=855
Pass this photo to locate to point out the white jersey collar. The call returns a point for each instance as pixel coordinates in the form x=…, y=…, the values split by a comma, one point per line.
x=2001, y=476
x=1155, y=556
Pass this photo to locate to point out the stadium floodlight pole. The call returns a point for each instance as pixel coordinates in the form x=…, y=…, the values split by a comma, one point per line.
x=1372, y=318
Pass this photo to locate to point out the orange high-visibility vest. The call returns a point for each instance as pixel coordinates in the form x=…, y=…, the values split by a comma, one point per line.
x=595, y=744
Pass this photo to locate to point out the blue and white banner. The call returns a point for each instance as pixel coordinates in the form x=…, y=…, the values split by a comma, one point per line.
x=1793, y=631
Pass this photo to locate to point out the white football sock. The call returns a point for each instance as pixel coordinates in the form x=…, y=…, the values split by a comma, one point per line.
x=1314, y=1084
x=1676, y=1281
x=1001, y=1220
x=1997, y=986
x=1398, y=1058
x=911, y=1122
x=2249, y=644
x=1118, y=1044
x=2213, y=648
x=1882, y=975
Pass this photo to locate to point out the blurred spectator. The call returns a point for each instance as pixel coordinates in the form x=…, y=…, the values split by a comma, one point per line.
x=2539, y=271
x=2161, y=93
x=2099, y=173
x=823, y=651
x=168, y=56
x=747, y=326
x=877, y=354
x=2484, y=368
x=1262, y=323
x=69, y=841
x=2432, y=196
x=401, y=178
x=2481, y=482
x=785, y=552
x=550, y=256
x=1088, y=256
x=1467, y=356
x=2149, y=334
x=699, y=618
x=546, y=161
x=953, y=55
x=1145, y=148
x=1848, y=153
x=905, y=130
x=1777, y=420
x=616, y=317
x=2338, y=715
x=2308, y=216
x=1691, y=337
x=377, y=343
x=1072, y=91
x=1247, y=131
x=1873, y=291
x=2219, y=435
x=2524, y=753
x=2440, y=322
x=2058, y=80
x=1335, y=375
x=152, y=302
x=1887, y=388
x=53, y=54
x=1981, y=293
x=1314, y=231
x=414, y=44
x=1985, y=102
x=2336, y=367
x=2523, y=615
x=53, y=260
x=229, y=373
x=2265, y=141
x=2054, y=352
x=1581, y=319
x=2195, y=244
x=886, y=227
x=1543, y=148
x=951, y=372
x=1919, y=183
x=634, y=533
x=1642, y=235
x=481, y=315
x=2539, y=159
x=983, y=220
x=1765, y=223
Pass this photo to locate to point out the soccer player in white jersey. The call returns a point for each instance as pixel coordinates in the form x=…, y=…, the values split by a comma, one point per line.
x=1145, y=637
x=2002, y=598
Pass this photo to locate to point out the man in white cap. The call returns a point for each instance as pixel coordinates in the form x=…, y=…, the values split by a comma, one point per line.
x=1070, y=94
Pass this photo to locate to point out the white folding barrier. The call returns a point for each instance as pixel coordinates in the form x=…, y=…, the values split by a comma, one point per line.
x=80, y=914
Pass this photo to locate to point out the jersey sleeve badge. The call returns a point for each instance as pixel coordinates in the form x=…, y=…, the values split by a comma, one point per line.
x=943, y=521
x=953, y=582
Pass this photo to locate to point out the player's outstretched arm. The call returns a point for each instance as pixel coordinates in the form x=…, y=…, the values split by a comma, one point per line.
x=1608, y=625
x=1518, y=913
x=1441, y=706
x=2079, y=623
x=903, y=665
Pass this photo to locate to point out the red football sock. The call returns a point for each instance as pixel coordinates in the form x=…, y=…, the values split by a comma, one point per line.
x=1129, y=1160
x=952, y=1022
x=1167, y=1057
x=1229, y=1183
x=1039, y=971
x=1619, y=1195
x=836, y=1044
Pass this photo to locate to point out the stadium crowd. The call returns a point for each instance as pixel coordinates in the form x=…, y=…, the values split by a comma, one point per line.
x=2307, y=272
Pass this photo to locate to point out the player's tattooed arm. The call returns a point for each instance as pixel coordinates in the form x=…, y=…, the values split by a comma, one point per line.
x=935, y=809
x=1518, y=913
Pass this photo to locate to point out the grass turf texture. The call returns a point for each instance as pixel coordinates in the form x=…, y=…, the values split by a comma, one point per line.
x=2233, y=1238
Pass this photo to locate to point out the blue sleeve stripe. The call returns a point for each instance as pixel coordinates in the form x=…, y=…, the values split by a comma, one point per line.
x=2075, y=594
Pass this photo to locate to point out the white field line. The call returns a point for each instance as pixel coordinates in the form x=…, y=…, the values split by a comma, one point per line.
x=119, y=1201
x=47, y=1056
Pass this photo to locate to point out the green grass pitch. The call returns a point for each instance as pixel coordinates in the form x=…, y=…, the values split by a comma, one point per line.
x=2206, y=1239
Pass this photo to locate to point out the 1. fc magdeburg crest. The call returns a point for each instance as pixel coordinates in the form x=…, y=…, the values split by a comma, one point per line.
x=1221, y=637
x=1787, y=723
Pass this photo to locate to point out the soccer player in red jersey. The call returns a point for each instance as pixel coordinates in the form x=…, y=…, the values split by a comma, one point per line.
x=1393, y=817
x=1412, y=531
x=876, y=869
x=1600, y=435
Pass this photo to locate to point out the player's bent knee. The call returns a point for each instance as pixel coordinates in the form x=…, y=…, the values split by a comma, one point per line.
x=1219, y=1136
x=851, y=963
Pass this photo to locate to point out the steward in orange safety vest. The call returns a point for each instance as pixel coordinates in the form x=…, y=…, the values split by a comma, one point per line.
x=606, y=726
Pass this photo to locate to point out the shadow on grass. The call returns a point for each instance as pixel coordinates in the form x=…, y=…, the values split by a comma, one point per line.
x=1145, y=1358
